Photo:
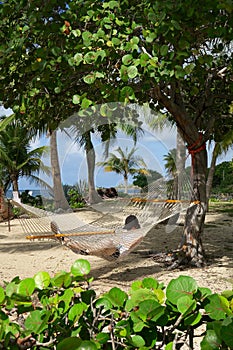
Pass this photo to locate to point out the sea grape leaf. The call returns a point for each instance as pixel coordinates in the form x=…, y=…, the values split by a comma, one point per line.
x=137, y=341
x=80, y=267
x=217, y=307
x=61, y=278
x=26, y=287
x=210, y=341
x=185, y=305
x=42, y=280
x=71, y=343
x=179, y=287
x=2, y=295
x=37, y=321
x=227, y=332
x=76, y=311
x=117, y=296
x=149, y=283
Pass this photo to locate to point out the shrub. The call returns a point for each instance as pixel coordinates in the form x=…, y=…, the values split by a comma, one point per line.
x=63, y=312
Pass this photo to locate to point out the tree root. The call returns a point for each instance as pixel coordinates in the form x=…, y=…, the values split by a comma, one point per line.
x=177, y=259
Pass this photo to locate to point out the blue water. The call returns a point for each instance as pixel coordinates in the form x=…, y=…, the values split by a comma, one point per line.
x=44, y=193
x=33, y=193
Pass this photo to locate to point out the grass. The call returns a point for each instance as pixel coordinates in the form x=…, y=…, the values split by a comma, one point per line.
x=221, y=207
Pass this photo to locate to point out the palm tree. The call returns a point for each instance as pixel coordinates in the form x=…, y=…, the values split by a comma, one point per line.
x=170, y=166
x=127, y=163
x=16, y=157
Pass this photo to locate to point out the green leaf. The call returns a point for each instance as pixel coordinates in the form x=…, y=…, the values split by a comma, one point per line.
x=76, y=32
x=42, y=280
x=37, y=321
x=185, y=305
x=11, y=288
x=66, y=299
x=179, y=72
x=132, y=72
x=193, y=319
x=127, y=94
x=57, y=90
x=26, y=287
x=210, y=341
x=60, y=279
x=117, y=296
x=90, y=57
x=76, y=99
x=217, y=307
x=113, y=4
x=87, y=37
x=138, y=323
x=2, y=295
x=104, y=302
x=116, y=41
x=89, y=79
x=71, y=343
x=149, y=283
x=164, y=50
x=86, y=103
x=80, y=267
x=169, y=346
x=179, y=287
x=102, y=338
x=144, y=59
x=137, y=341
x=127, y=59
x=176, y=24
x=78, y=58
x=76, y=311
x=226, y=334
x=87, y=345
x=124, y=73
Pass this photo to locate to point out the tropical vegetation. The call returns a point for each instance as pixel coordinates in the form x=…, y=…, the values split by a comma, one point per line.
x=125, y=162
x=64, y=57
x=64, y=312
x=17, y=159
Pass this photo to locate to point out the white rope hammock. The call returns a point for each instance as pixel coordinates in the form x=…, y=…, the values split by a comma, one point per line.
x=105, y=236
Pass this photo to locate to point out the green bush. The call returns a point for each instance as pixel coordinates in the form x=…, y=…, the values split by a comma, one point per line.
x=63, y=312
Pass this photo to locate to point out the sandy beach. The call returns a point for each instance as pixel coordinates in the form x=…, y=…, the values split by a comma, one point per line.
x=23, y=258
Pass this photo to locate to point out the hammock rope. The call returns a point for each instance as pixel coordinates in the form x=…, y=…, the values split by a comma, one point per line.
x=104, y=236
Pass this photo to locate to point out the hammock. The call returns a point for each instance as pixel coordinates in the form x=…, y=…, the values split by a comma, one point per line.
x=104, y=237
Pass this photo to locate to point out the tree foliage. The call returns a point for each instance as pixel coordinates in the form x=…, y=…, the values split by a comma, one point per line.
x=64, y=312
x=83, y=53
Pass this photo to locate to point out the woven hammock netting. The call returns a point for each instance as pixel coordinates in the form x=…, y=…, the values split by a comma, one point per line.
x=106, y=236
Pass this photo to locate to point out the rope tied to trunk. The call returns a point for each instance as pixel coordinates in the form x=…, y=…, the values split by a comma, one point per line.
x=192, y=150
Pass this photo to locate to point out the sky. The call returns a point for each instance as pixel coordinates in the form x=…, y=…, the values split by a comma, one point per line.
x=152, y=146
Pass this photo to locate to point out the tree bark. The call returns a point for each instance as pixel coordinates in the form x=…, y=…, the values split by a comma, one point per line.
x=180, y=164
x=211, y=174
x=191, y=248
x=90, y=156
x=60, y=201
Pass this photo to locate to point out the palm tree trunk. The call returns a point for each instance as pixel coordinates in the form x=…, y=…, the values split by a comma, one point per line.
x=126, y=184
x=59, y=196
x=180, y=163
x=15, y=187
x=211, y=173
x=90, y=156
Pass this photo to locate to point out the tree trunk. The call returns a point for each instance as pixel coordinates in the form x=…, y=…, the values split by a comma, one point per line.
x=15, y=187
x=191, y=249
x=126, y=184
x=90, y=156
x=211, y=173
x=180, y=164
x=59, y=196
